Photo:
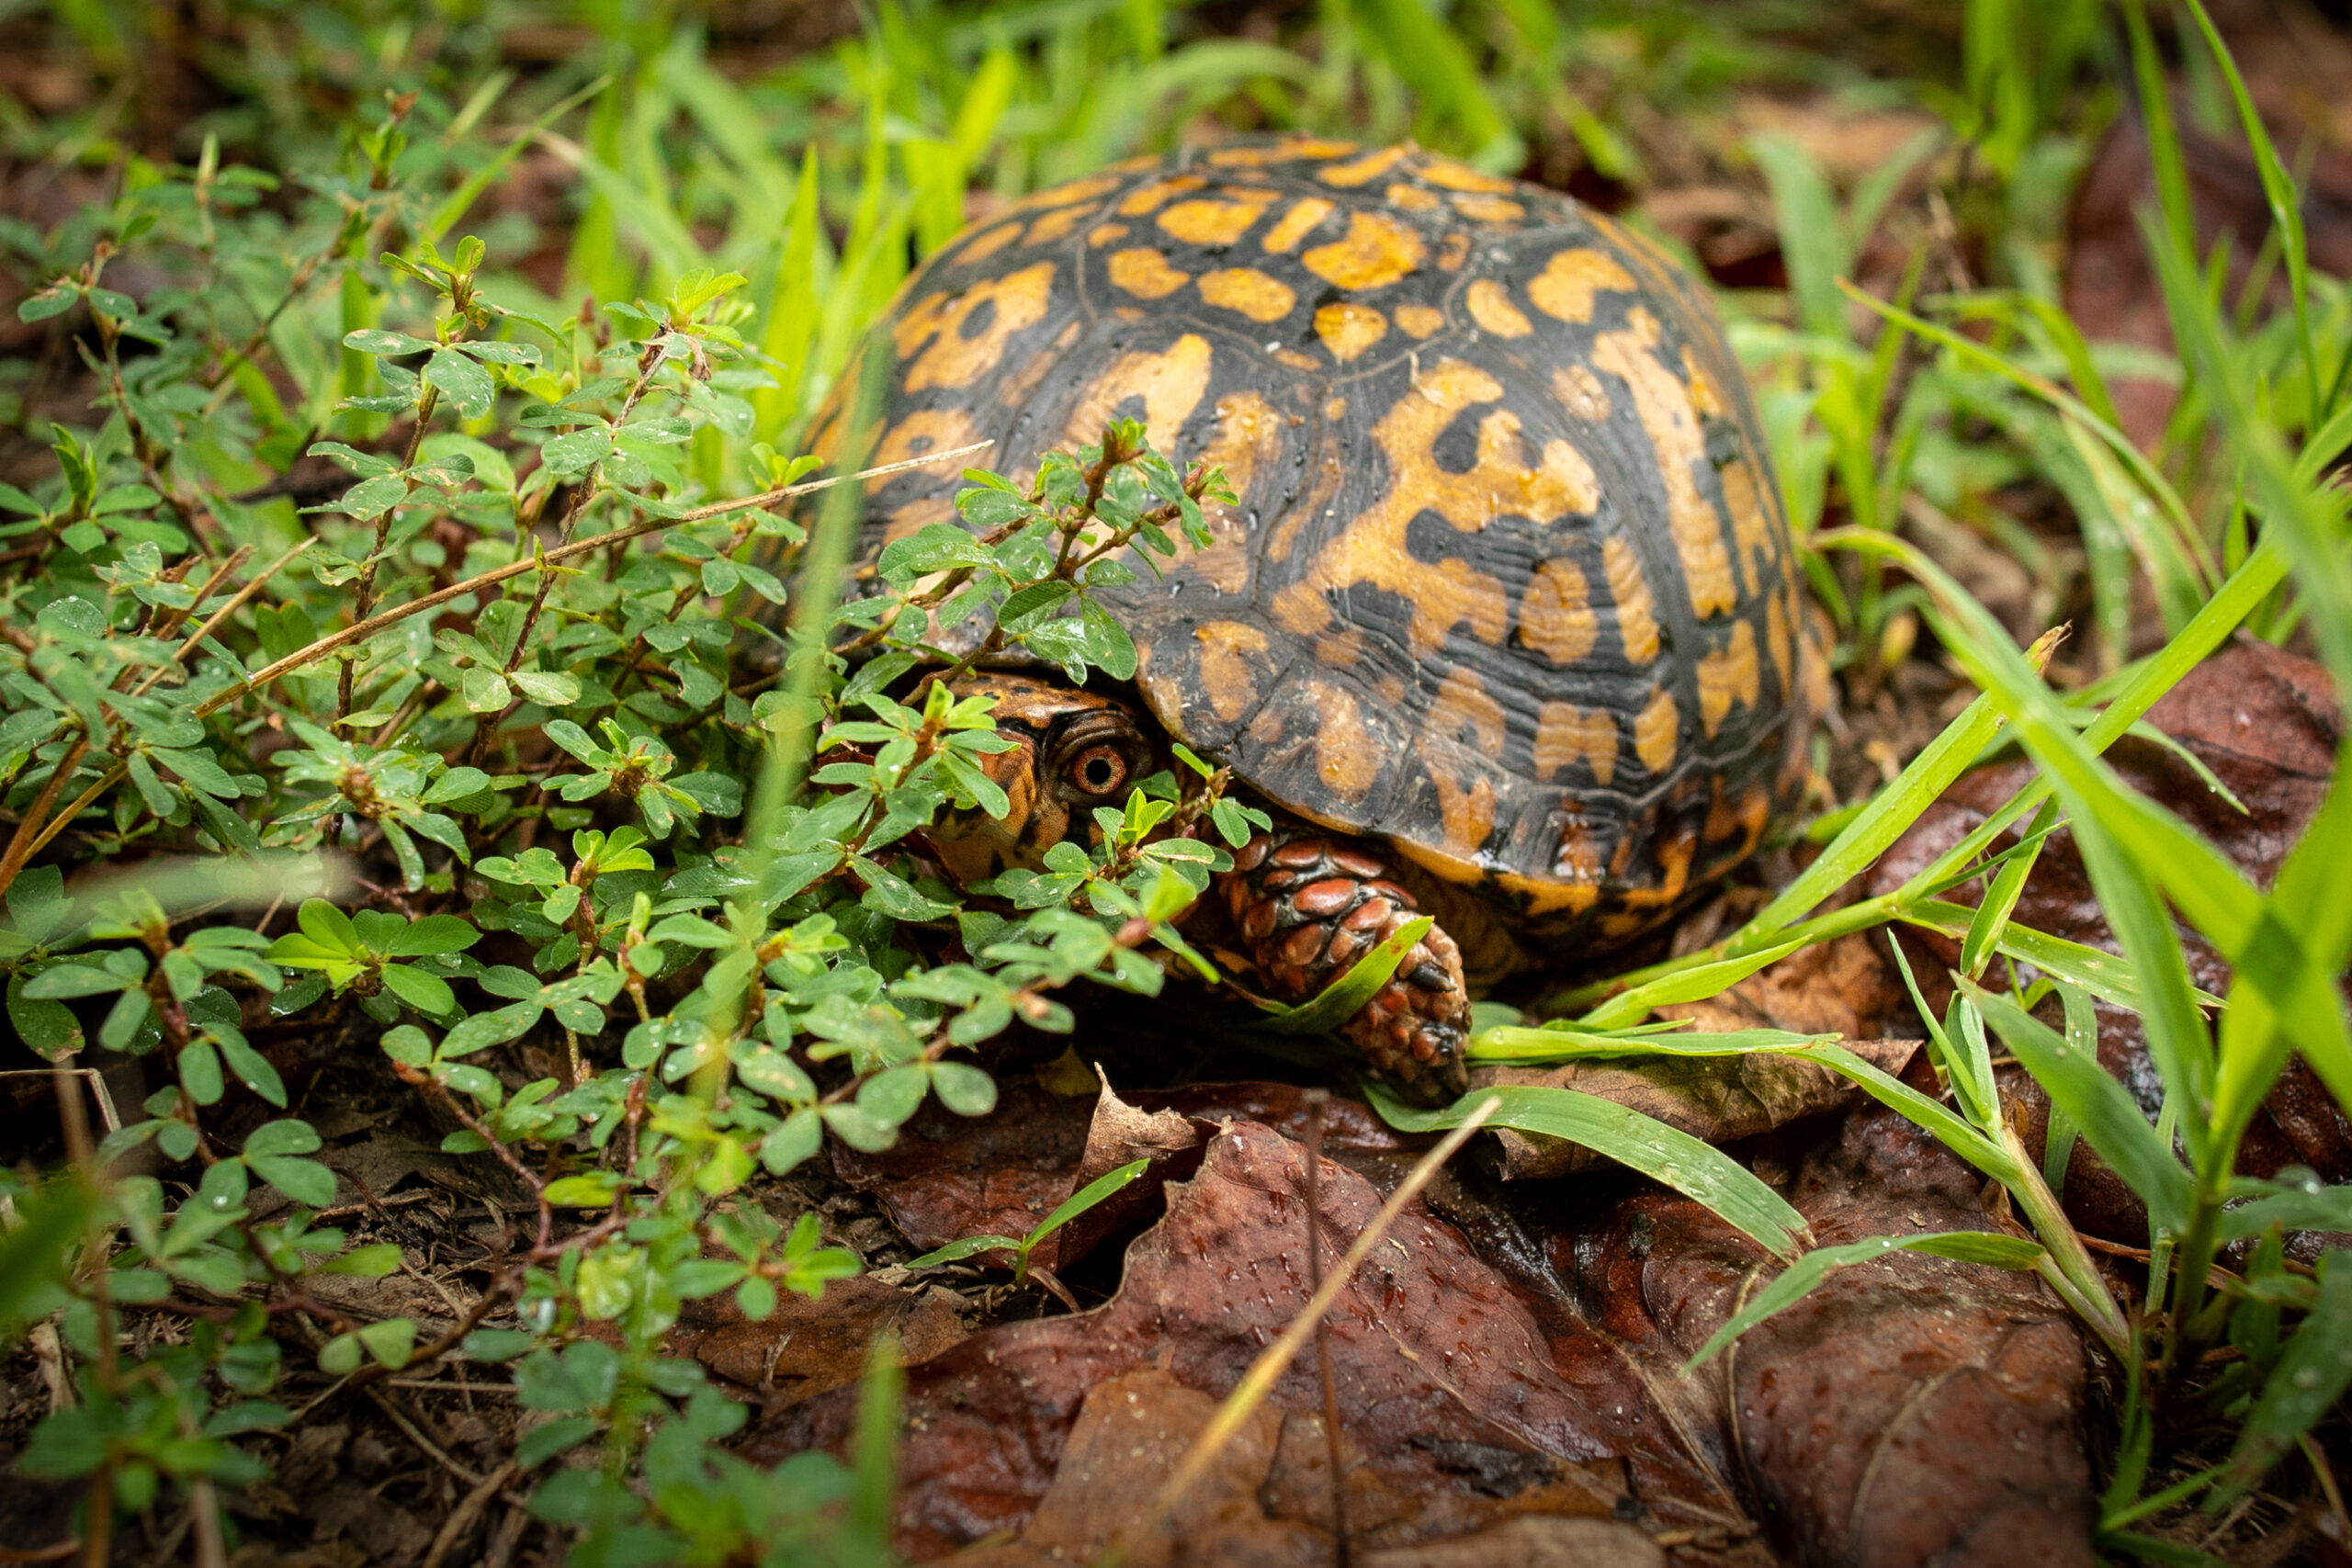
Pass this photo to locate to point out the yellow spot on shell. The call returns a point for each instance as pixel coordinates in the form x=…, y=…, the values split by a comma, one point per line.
x=1341, y=649
x=1412, y=198
x=1490, y=306
x=1663, y=402
x=1364, y=170
x=1751, y=524
x=1371, y=550
x=1281, y=153
x=1293, y=225
x=1556, y=618
x=926, y=430
x=954, y=359
x=1296, y=360
x=1455, y=252
x=1378, y=251
x=1581, y=394
x=1336, y=408
x=1743, y=817
x=1151, y=197
x=1674, y=873
x=1064, y=195
x=1228, y=671
x=1253, y=293
x=1775, y=642
x=1106, y=234
x=1347, y=758
x=1489, y=210
x=1451, y=176
x=1146, y=274
x=1704, y=395
x=1211, y=222
x=1727, y=676
x=985, y=243
x=1055, y=225
x=1465, y=816
x=1171, y=383
x=1420, y=321
x=1539, y=895
x=1629, y=590
x=1656, y=731
x=1565, y=286
x=1463, y=713
x=1566, y=735
x=1349, y=330
x=1299, y=608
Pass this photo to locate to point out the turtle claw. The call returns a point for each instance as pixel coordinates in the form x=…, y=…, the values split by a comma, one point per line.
x=1310, y=907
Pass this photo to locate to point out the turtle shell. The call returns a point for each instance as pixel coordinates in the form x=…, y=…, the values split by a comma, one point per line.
x=1508, y=583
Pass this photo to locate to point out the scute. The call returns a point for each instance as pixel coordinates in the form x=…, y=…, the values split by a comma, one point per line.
x=1508, y=583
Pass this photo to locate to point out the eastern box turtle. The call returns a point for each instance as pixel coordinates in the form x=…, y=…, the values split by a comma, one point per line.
x=1506, y=622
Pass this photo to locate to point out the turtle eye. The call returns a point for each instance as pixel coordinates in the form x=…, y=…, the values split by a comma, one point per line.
x=1098, y=770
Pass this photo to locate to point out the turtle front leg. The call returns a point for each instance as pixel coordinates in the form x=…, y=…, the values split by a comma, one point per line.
x=1309, y=905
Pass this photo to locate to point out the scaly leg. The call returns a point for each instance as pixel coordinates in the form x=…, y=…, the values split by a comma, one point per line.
x=1309, y=905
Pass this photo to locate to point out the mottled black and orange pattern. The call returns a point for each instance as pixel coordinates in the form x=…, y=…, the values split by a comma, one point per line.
x=1508, y=582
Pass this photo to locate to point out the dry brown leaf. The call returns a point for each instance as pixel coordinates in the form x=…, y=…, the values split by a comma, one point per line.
x=1460, y=1398
x=1910, y=1411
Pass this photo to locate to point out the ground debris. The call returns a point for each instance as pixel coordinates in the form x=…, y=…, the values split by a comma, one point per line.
x=1449, y=1387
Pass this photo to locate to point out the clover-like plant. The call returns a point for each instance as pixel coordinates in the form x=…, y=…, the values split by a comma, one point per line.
x=363, y=953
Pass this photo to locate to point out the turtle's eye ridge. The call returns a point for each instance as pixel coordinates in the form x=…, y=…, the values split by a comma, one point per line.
x=1098, y=770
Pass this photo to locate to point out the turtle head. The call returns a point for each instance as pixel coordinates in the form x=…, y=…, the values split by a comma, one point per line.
x=1072, y=750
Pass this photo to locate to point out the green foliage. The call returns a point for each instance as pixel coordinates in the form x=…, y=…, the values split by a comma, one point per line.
x=1090, y=1196
x=381, y=582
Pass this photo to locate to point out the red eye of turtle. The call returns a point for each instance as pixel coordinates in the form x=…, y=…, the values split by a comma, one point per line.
x=1098, y=770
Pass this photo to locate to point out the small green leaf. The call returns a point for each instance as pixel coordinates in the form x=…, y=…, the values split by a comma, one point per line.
x=1799, y=1279
x=1340, y=1000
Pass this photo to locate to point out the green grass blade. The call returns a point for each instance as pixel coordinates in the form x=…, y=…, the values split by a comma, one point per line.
x=1689, y=985
x=1694, y=1169
x=2312, y=1375
x=2126, y=841
x=1085, y=1198
x=2279, y=191
x=2143, y=471
x=1950, y=1127
x=2307, y=524
x=1338, y=1001
x=2102, y=973
x=453, y=207
x=1799, y=1279
x=2163, y=141
x=2101, y=1109
x=964, y=1246
x=1888, y=817
x=792, y=318
x=874, y=1445
x=1537, y=1047
x=1991, y=921
x=1812, y=239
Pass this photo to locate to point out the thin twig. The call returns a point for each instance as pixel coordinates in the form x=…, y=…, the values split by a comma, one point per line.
x=1316, y=1099
x=1275, y=1359
x=360, y=630
x=461, y=1518
x=213, y=623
